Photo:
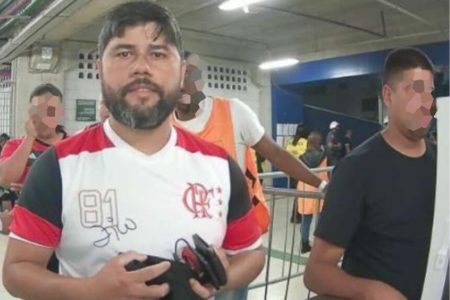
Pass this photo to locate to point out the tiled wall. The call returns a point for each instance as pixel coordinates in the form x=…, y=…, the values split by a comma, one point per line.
x=81, y=81
x=230, y=79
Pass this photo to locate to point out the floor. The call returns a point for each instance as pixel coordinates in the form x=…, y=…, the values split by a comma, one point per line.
x=283, y=232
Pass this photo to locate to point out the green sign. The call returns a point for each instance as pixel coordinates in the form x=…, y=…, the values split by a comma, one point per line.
x=86, y=110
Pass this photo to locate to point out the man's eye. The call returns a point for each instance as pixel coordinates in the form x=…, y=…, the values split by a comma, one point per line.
x=124, y=54
x=158, y=55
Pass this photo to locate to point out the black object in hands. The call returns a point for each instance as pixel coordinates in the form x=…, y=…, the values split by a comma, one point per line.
x=177, y=277
x=213, y=270
x=200, y=263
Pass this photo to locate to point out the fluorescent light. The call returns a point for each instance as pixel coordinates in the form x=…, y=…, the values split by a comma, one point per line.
x=235, y=4
x=280, y=63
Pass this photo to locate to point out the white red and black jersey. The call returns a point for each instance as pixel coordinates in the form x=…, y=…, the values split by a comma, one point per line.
x=93, y=196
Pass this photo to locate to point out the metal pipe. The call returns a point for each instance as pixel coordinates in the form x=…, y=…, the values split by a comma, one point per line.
x=383, y=23
x=317, y=18
x=282, y=174
x=13, y=9
x=292, y=193
x=33, y=30
x=5, y=4
x=29, y=9
x=266, y=289
x=406, y=12
x=224, y=36
x=278, y=280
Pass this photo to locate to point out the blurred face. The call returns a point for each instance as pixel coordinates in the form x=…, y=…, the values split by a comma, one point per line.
x=410, y=102
x=192, y=92
x=193, y=82
x=46, y=111
x=141, y=77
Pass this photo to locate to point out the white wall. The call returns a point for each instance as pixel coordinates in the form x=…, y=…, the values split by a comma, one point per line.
x=79, y=88
x=256, y=95
x=250, y=87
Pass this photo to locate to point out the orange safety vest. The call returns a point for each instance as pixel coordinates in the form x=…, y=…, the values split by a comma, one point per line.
x=219, y=131
x=310, y=206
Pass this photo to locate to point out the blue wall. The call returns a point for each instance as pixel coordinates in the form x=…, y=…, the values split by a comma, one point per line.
x=354, y=65
x=289, y=111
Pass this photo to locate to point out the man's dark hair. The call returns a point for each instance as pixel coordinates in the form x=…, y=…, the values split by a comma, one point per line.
x=138, y=13
x=46, y=88
x=403, y=59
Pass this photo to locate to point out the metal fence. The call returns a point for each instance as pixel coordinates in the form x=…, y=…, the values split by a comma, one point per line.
x=5, y=101
x=282, y=234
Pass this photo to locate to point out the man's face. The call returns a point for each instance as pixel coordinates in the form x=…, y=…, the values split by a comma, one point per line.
x=411, y=103
x=193, y=82
x=141, y=77
x=46, y=111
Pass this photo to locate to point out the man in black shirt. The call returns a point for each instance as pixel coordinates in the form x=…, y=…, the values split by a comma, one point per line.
x=379, y=208
x=348, y=142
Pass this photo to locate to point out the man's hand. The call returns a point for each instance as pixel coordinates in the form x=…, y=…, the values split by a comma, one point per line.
x=5, y=220
x=16, y=187
x=114, y=282
x=208, y=291
x=30, y=129
x=378, y=290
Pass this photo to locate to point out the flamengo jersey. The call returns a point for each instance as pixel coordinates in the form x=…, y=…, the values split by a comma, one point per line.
x=94, y=196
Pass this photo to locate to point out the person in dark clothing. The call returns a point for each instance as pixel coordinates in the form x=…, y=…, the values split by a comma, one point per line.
x=297, y=147
x=378, y=210
x=314, y=157
x=348, y=142
x=333, y=144
x=3, y=139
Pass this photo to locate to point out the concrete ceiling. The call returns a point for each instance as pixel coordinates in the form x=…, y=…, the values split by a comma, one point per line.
x=308, y=29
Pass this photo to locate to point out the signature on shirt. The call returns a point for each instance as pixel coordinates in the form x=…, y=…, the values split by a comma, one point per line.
x=113, y=231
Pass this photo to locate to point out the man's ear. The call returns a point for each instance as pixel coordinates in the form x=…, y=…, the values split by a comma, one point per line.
x=387, y=95
x=183, y=72
x=99, y=68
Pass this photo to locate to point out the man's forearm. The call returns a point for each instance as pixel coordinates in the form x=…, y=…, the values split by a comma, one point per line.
x=32, y=282
x=244, y=268
x=292, y=166
x=12, y=168
x=324, y=279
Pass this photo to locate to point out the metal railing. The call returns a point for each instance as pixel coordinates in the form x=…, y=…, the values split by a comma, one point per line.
x=277, y=197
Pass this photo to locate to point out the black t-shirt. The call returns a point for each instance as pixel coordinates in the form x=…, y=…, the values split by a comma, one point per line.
x=346, y=141
x=379, y=207
x=333, y=154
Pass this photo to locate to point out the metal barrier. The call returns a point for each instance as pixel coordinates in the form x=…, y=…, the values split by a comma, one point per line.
x=278, y=197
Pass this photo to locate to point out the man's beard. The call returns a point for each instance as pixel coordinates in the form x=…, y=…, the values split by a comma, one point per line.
x=139, y=117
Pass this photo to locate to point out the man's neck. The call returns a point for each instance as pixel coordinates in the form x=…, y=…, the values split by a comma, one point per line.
x=187, y=115
x=190, y=113
x=406, y=146
x=51, y=138
x=145, y=141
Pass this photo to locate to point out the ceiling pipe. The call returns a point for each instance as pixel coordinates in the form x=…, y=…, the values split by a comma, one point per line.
x=317, y=18
x=35, y=29
x=5, y=4
x=13, y=9
x=406, y=12
x=26, y=12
